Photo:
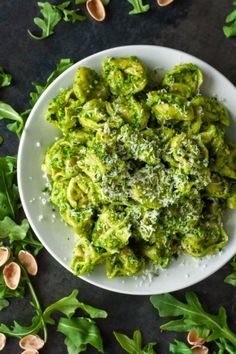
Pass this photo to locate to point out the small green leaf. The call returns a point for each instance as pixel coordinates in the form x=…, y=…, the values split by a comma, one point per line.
x=7, y=112
x=15, y=232
x=5, y=79
x=231, y=17
x=180, y=348
x=6, y=293
x=19, y=331
x=80, y=332
x=69, y=15
x=134, y=345
x=51, y=17
x=138, y=7
x=192, y=315
x=93, y=312
x=230, y=31
x=9, y=195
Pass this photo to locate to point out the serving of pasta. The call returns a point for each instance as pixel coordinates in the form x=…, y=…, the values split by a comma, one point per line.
x=142, y=171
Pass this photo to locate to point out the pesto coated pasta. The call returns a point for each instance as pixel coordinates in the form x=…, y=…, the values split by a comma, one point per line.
x=142, y=171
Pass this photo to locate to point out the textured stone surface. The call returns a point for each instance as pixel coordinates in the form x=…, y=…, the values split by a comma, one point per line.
x=191, y=26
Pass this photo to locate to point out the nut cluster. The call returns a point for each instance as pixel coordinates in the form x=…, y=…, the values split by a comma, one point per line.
x=11, y=275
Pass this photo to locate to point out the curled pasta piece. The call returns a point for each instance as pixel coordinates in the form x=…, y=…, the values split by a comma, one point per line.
x=125, y=76
x=183, y=79
x=124, y=263
x=88, y=85
x=168, y=107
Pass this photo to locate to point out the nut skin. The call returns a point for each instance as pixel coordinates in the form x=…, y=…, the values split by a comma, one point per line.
x=5, y=254
x=11, y=275
x=2, y=341
x=31, y=342
x=28, y=261
x=96, y=9
x=164, y=2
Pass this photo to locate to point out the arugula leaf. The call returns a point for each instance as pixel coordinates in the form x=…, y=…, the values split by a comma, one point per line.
x=180, y=348
x=80, y=332
x=223, y=346
x=192, y=316
x=68, y=305
x=231, y=278
x=230, y=30
x=63, y=65
x=6, y=293
x=138, y=7
x=15, y=232
x=5, y=79
x=69, y=15
x=19, y=331
x=3, y=304
x=9, y=195
x=134, y=345
x=7, y=112
x=29, y=241
x=51, y=17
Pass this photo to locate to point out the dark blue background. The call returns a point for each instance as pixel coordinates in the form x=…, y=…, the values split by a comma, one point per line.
x=191, y=26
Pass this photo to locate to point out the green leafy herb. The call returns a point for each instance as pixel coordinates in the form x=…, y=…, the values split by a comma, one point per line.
x=80, y=332
x=7, y=112
x=134, y=345
x=70, y=15
x=15, y=232
x=180, y=348
x=138, y=7
x=52, y=15
x=5, y=79
x=79, y=2
x=9, y=196
x=230, y=30
x=192, y=316
x=6, y=293
x=231, y=278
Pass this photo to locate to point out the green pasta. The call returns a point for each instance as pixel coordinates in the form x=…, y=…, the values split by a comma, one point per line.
x=141, y=175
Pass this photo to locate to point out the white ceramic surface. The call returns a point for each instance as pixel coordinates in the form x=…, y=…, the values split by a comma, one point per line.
x=57, y=238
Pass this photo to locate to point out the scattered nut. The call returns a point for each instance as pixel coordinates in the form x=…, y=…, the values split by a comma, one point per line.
x=2, y=341
x=164, y=2
x=96, y=9
x=28, y=261
x=30, y=351
x=200, y=349
x=11, y=275
x=31, y=342
x=193, y=338
x=4, y=255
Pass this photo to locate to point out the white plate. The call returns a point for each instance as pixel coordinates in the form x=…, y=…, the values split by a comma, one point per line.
x=56, y=236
